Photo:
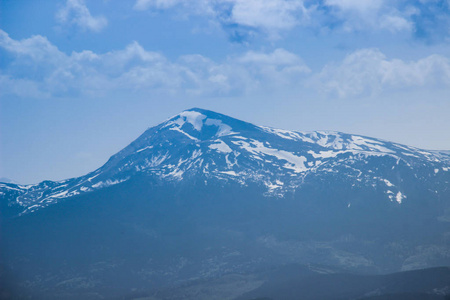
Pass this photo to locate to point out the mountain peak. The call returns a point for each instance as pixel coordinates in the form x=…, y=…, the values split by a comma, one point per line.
x=202, y=114
x=200, y=110
x=193, y=116
x=201, y=124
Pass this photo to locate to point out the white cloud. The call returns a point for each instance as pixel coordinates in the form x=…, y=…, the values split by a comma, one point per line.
x=279, y=57
x=371, y=15
x=395, y=23
x=268, y=14
x=249, y=72
x=356, y=5
x=39, y=69
x=280, y=66
x=44, y=71
x=160, y=4
x=369, y=72
x=76, y=13
x=188, y=7
x=37, y=47
x=275, y=16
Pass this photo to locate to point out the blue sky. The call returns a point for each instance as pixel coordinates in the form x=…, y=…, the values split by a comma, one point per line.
x=80, y=79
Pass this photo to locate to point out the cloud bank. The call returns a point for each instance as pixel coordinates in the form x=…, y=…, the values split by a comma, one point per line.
x=370, y=72
x=420, y=18
x=39, y=69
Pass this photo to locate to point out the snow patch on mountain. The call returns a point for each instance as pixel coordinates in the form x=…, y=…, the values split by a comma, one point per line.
x=108, y=182
x=192, y=117
x=185, y=133
x=232, y=173
x=223, y=129
x=328, y=140
x=399, y=197
x=387, y=182
x=294, y=162
x=287, y=134
x=220, y=146
x=145, y=148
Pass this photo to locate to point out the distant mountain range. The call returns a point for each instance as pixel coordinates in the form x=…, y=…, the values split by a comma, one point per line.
x=204, y=195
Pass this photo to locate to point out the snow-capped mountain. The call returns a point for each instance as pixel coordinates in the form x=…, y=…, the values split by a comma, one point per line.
x=204, y=199
x=204, y=145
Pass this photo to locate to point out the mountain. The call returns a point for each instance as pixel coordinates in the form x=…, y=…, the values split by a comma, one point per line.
x=203, y=197
x=7, y=180
x=198, y=143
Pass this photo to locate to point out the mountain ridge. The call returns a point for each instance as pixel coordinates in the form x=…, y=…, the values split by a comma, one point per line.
x=198, y=142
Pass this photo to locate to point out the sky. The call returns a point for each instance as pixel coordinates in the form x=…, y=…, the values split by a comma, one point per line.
x=81, y=79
